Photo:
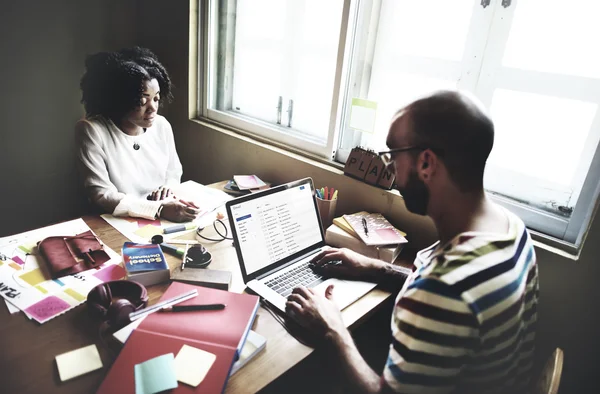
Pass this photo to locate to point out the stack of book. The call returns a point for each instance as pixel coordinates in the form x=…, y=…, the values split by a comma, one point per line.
x=381, y=240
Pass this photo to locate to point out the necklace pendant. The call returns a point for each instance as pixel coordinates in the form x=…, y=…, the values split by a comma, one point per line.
x=136, y=146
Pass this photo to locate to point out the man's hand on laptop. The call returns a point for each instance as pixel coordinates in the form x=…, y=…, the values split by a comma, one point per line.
x=316, y=312
x=343, y=263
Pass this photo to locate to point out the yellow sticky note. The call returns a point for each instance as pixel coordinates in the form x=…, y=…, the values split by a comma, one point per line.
x=34, y=277
x=41, y=289
x=75, y=295
x=192, y=365
x=77, y=362
x=148, y=231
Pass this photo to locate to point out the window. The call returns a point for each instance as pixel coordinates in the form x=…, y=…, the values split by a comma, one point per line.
x=290, y=70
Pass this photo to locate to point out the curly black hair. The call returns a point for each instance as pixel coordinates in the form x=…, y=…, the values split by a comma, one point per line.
x=114, y=81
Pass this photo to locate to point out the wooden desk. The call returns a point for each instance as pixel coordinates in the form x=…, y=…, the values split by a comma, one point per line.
x=28, y=349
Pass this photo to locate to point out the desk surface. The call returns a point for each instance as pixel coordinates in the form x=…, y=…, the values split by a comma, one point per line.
x=28, y=349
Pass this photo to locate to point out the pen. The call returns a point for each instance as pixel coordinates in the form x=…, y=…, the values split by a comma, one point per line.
x=179, y=227
x=365, y=226
x=189, y=308
x=326, y=193
x=133, y=316
x=334, y=197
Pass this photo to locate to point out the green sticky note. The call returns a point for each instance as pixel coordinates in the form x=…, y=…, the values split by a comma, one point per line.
x=155, y=375
x=362, y=115
x=28, y=248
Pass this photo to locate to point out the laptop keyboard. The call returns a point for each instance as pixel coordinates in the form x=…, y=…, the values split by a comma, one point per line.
x=302, y=275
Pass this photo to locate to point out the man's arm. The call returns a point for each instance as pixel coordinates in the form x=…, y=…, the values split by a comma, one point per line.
x=360, y=377
x=355, y=265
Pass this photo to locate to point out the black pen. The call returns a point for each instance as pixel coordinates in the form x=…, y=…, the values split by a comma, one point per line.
x=364, y=222
x=189, y=308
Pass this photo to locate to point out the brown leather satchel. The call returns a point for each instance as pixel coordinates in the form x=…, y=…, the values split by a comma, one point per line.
x=69, y=255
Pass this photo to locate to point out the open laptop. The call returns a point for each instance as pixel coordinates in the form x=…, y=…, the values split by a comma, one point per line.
x=276, y=233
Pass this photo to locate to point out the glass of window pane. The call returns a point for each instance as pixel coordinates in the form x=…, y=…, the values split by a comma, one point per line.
x=555, y=37
x=418, y=48
x=546, y=150
x=284, y=49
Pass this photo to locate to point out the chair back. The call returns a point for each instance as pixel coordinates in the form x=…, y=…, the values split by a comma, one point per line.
x=549, y=379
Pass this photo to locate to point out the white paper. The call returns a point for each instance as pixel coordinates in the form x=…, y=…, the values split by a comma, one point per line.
x=209, y=200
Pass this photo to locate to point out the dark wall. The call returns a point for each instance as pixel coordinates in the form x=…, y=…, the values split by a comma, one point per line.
x=43, y=47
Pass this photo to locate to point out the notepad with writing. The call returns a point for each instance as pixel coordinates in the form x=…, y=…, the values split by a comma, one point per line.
x=221, y=332
x=378, y=230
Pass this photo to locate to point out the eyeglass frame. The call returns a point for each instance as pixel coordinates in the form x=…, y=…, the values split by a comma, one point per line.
x=390, y=161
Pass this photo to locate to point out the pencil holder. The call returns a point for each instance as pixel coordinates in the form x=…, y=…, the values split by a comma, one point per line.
x=326, y=211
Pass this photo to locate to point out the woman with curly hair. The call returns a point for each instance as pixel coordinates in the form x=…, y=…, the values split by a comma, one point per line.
x=126, y=151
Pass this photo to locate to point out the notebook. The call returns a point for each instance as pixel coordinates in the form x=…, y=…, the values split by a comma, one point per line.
x=222, y=333
x=378, y=230
x=276, y=233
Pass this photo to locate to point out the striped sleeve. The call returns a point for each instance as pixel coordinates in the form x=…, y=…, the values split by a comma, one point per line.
x=434, y=336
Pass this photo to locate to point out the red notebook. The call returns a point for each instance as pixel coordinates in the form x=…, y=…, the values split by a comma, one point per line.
x=221, y=332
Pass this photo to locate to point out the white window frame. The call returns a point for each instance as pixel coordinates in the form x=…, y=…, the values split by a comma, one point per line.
x=569, y=232
x=272, y=132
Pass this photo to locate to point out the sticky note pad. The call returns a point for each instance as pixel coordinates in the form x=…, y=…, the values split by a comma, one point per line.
x=155, y=375
x=77, y=362
x=362, y=115
x=148, y=231
x=192, y=365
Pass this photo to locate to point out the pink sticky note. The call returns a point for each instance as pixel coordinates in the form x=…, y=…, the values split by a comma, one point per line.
x=112, y=272
x=144, y=222
x=47, y=308
x=18, y=260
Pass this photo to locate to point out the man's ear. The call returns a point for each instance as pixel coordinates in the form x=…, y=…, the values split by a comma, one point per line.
x=427, y=164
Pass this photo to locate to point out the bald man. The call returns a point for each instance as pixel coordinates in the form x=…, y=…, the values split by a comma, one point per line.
x=464, y=321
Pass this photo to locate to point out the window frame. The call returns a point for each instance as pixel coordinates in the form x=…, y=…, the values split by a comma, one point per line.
x=565, y=233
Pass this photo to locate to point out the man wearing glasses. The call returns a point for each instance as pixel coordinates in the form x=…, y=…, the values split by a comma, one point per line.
x=464, y=321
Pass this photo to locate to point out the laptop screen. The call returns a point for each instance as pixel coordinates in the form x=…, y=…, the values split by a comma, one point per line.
x=274, y=225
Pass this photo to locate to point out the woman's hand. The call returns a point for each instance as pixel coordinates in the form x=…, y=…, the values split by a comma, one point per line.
x=315, y=312
x=344, y=262
x=178, y=211
x=160, y=193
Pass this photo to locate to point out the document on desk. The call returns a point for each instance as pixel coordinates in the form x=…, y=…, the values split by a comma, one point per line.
x=141, y=230
x=26, y=284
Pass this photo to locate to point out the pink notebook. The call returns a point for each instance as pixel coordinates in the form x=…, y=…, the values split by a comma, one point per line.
x=379, y=230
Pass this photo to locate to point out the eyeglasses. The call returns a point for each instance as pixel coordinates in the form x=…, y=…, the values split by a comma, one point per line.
x=388, y=156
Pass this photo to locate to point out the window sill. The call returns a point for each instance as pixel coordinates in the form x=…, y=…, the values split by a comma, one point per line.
x=269, y=144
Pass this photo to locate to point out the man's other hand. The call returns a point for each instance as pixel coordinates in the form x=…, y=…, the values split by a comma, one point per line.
x=317, y=313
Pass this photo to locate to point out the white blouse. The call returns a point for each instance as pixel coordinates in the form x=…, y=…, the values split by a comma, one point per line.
x=117, y=176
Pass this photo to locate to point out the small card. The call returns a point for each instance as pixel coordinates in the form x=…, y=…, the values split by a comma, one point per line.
x=192, y=365
x=155, y=375
x=77, y=362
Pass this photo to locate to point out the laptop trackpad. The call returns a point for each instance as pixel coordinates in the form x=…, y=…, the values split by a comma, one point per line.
x=345, y=292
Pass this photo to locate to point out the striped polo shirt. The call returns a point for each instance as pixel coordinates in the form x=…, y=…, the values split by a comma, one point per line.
x=465, y=320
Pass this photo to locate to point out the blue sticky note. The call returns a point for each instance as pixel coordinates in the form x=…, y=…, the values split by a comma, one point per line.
x=155, y=375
